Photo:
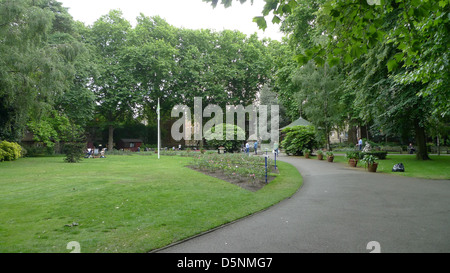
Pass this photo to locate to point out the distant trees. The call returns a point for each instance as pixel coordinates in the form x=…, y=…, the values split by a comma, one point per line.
x=58, y=75
x=156, y=60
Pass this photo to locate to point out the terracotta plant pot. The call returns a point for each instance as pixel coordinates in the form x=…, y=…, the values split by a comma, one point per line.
x=320, y=157
x=352, y=162
x=372, y=167
x=306, y=155
x=330, y=158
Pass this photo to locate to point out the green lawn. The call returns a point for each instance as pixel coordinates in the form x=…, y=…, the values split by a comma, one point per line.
x=121, y=203
x=436, y=168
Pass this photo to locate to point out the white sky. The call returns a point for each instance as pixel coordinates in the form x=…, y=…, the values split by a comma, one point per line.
x=190, y=14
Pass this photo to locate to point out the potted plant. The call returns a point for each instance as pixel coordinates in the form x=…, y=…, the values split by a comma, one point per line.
x=370, y=162
x=330, y=156
x=352, y=158
x=319, y=154
x=306, y=152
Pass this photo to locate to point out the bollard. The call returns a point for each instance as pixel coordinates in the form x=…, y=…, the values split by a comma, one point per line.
x=266, y=168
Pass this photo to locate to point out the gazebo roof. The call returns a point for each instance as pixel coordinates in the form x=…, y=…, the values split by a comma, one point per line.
x=299, y=122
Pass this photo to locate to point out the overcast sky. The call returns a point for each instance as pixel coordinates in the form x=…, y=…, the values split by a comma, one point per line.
x=191, y=14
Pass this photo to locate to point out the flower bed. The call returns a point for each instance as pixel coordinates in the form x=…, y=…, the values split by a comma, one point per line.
x=236, y=167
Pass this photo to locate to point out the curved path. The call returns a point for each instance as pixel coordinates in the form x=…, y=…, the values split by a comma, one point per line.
x=340, y=209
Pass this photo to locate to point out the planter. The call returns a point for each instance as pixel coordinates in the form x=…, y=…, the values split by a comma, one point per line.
x=320, y=157
x=330, y=158
x=306, y=155
x=372, y=167
x=353, y=162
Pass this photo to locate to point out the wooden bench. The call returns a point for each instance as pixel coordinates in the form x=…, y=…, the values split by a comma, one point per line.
x=442, y=149
x=392, y=149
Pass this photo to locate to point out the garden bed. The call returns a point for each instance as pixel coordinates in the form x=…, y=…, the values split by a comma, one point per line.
x=247, y=172
x=248, y=183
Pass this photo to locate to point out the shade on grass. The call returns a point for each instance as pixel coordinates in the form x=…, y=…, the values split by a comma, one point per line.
x=121, y=203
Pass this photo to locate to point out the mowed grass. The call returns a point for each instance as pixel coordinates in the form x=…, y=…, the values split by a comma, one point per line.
x=436, y=168
x=120, y=204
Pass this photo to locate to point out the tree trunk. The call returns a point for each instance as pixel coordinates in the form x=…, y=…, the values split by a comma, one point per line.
x=111, y=138
x=328, y=142
x=352, y=135
x=438, y=145
x=421, y=141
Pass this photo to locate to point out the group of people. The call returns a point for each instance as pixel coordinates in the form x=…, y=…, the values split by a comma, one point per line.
x=411, y=148
x=90, y=153
x=255, y=147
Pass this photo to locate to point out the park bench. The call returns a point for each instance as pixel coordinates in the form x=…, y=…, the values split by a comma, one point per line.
x=442, y=149
x=392, y=149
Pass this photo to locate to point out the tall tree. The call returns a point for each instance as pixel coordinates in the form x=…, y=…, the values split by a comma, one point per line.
x=284, y=66
x=23, y=64
x=320, y=96
x=394, y=108
x=152, y=62
x=39, y=53
x=116, y=94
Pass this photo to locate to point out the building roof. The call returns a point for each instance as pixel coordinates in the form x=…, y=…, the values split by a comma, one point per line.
x=298, y=122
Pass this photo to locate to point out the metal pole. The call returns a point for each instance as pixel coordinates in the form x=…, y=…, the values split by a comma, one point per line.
x=266, y=168
x=275, y=160
x=159, y=130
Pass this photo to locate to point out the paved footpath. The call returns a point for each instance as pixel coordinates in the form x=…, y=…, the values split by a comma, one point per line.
x=340, y=210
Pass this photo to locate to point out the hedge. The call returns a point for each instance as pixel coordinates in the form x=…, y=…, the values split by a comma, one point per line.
x=378, y=154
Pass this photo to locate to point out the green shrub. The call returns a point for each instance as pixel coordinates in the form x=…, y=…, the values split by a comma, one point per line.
x=352, y=155
x=37, y=151
x=74, y=151
x=369, y=159
x=216, y=140
x=10, y=151
x=298, y=138
x=2, y=155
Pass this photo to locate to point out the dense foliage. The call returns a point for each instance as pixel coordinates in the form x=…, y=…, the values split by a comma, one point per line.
x=74, y=151
x=392, y=56
x=217, y=137
x=298, y=138
x=10, y=151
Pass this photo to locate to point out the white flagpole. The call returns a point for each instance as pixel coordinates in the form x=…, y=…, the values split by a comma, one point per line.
x=159, y=130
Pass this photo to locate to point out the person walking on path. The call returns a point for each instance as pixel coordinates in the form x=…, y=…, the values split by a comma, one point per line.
x=360, y=144
x=275, y=147
x=247, y=148
x=255, y=145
